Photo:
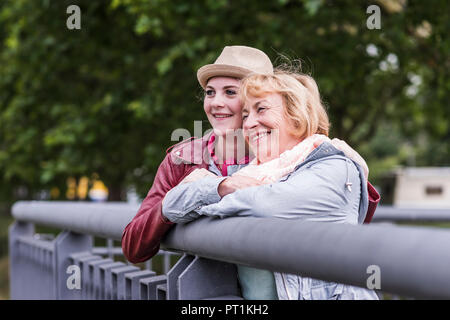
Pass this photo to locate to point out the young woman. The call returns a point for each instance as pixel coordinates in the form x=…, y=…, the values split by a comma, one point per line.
x=142, y=236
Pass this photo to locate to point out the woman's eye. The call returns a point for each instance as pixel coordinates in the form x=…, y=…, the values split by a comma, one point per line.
x=230, y=92
x=244, y=117
x=260, y=109
x=209, y=92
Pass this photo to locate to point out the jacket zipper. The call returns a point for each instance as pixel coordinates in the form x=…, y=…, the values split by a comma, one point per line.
x=285, y=287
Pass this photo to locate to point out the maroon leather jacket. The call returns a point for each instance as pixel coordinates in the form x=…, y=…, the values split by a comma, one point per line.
x=142, y=236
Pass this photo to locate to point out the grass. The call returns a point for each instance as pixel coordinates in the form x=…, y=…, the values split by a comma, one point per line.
x=4, y=278
x=426, y=224
x=5, y=222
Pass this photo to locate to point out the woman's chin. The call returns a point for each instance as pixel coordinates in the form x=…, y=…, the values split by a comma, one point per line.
x=265, y=156
x=264, y=150
x=225, y=130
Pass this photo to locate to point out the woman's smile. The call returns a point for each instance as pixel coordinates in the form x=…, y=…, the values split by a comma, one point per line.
x=221, y=116
x=256, y=137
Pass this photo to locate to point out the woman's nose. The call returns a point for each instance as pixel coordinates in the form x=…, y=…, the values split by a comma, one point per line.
x=218, y=101
x=249, y=122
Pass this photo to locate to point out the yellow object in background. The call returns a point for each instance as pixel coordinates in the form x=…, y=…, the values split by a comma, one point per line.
x=71, y=188
x=98, y=192
x=54, y=193
x=82, y=190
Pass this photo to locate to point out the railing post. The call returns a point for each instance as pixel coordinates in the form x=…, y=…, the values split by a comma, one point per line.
x=66, y=244
x=132, y=284
x=110, y=277
x=18, y=270
x=118, y=275
x=100, y=275
x=208, y=279
x=172, y=277
x=93, y=272
x=149, y=287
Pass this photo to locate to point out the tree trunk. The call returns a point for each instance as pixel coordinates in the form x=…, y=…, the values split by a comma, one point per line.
x=116, y=193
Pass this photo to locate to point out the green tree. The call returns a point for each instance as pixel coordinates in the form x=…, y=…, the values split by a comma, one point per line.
x=105, y=99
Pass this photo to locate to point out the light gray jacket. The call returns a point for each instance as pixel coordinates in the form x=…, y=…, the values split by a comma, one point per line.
x=326, y=187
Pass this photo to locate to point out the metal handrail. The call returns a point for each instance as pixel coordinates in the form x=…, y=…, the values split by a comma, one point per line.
x=104, y=220
x=413, y=261
x=412, y=214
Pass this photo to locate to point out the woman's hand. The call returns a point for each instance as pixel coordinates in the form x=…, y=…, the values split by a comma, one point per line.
x=197, y=174
x=231, y=184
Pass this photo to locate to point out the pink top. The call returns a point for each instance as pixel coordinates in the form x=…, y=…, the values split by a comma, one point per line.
x=228, y=162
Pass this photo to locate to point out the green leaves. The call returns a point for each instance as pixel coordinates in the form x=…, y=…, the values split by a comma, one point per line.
x=105, y=99
x=312, y=6
x=146, y=24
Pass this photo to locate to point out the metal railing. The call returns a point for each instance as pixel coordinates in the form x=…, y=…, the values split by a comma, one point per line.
x=413, y=214
x=414, y=261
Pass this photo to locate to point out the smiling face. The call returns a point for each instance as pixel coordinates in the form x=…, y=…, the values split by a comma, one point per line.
x=222, y=104
x=266, y=126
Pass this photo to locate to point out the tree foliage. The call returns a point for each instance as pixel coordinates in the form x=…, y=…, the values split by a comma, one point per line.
x=104, y=99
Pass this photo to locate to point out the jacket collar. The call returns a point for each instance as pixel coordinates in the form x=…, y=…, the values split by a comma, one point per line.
x=191, y=151
x=326, y=149
x=198, y=151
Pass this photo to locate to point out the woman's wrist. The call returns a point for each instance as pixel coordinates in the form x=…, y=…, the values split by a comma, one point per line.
x=223, y=189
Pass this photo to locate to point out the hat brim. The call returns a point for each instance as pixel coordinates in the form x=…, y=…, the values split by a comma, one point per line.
x=220, y=70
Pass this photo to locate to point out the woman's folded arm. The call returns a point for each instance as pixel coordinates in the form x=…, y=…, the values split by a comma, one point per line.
x=317, y=192
x=180, y=202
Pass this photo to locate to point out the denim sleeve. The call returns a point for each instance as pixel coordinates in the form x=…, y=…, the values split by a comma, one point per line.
x=180, y=203
x=318, y=192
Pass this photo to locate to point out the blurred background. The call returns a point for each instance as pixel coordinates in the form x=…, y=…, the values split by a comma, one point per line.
x=87, y=114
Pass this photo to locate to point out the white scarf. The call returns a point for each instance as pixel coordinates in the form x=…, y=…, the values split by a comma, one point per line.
x=275, y=169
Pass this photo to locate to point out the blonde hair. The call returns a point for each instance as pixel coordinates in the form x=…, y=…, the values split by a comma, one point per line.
x=302, y=103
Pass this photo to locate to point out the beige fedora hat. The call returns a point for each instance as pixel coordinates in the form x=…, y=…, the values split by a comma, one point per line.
x=236, y=62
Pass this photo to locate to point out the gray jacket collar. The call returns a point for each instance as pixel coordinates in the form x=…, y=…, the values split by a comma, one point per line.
x=326, y=150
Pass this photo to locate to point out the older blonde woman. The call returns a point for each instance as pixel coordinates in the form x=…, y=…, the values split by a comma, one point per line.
x=303, y=175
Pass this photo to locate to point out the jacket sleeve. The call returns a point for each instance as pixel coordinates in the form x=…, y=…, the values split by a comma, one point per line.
x=179, y=202
x=142, y=236
x=374, y=199
x=318, y=193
